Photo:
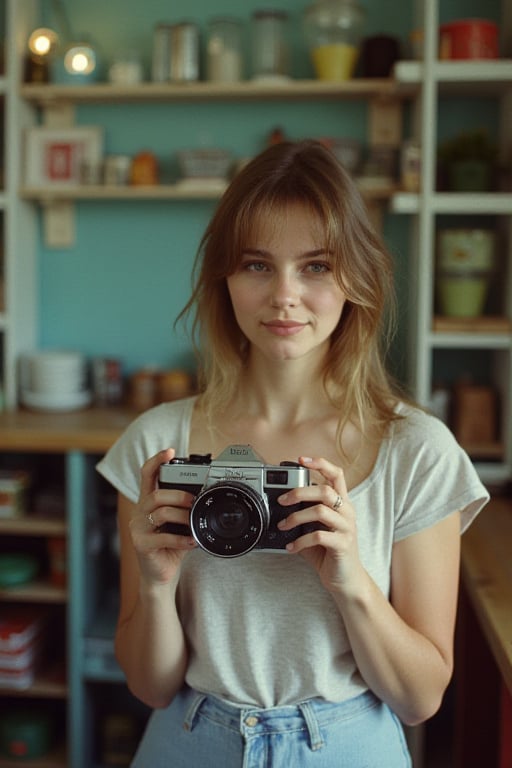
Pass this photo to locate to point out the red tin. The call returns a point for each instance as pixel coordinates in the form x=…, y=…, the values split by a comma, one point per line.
x=469, y=39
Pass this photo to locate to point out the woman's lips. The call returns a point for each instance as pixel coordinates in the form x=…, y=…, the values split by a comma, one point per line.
x=284, y=327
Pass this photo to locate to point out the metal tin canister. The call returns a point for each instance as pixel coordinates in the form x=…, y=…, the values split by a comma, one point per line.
x=184, y=52
x=161, y=53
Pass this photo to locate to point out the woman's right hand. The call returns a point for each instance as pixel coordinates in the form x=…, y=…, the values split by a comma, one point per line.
x=159, y=554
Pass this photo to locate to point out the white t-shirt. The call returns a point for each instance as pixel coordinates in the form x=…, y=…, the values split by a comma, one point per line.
x=261, y=629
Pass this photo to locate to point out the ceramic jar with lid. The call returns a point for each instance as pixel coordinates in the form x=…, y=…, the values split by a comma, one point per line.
x=333, y=29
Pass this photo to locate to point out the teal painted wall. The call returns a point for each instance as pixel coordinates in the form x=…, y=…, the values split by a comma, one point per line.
x=119, y=289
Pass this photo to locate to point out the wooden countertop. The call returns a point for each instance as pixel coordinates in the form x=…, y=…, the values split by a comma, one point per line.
x=92, y=430
x=487, y=577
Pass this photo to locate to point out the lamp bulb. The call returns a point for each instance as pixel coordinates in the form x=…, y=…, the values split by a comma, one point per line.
x=80, y=60
x=43, y=41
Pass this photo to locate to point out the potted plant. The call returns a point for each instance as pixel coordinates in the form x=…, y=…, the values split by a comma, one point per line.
x=468, y=161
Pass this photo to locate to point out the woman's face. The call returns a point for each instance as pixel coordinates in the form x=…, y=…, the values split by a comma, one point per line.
x=284, y=293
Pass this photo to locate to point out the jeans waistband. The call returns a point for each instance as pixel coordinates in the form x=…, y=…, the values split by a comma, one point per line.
x=252, y=721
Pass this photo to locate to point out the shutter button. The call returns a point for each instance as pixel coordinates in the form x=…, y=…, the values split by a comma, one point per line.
x=251, y=721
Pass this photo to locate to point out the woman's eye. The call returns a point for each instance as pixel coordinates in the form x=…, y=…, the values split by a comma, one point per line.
x=254, y=266
x=318, y=267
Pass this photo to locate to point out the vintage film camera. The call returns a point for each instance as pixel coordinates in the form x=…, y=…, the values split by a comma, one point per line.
x=236, y=508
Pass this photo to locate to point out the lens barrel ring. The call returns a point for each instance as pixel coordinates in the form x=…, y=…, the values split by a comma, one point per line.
x=228, y=518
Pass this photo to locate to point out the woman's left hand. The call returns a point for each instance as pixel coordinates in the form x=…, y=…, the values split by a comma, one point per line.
x=332, y=549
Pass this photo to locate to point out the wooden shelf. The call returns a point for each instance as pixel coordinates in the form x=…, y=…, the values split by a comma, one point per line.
x=485, y=451
x=92, y=430
x=32, y=525
x=161, y=192
x=37, y=591
x=355, y=88
x=126, y=193
x=48, y=684
x=483, y=324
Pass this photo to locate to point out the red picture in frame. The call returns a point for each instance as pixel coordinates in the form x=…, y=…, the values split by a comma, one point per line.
x=59, y=160
x=56, y=157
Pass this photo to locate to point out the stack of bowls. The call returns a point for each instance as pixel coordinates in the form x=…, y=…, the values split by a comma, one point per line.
x=54, y=381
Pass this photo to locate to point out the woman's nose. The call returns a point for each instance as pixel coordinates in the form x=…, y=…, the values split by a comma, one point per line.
x=285, y=291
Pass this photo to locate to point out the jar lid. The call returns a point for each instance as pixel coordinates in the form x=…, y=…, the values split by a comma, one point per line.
x=225, y=20
x=270, y=13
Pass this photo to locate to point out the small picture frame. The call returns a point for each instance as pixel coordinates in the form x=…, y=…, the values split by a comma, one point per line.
x=61, y=157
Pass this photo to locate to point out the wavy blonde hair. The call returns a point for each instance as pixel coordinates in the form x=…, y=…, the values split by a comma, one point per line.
x=354, y=374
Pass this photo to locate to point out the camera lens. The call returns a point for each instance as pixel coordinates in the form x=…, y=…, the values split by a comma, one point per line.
x=232, y=523
x=228, y=518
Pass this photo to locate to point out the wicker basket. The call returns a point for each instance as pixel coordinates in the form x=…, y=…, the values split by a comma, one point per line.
x=205, y=163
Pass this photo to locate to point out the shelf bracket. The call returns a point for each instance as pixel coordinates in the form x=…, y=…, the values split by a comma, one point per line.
x=59, y=224
x=58, y=115
x=59, y=215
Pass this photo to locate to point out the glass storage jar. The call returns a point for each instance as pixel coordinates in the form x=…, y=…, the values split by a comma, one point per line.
x=269, y=45
x=332, y=29
x=224, y=58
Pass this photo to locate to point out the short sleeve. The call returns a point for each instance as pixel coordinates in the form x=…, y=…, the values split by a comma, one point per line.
x=165, y=426
x=435, y=477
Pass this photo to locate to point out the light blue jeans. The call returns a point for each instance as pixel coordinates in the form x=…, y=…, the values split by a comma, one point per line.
x=198, y=731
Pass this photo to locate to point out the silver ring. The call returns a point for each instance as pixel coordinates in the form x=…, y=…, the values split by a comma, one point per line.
x=151, y=521
x=338, y=503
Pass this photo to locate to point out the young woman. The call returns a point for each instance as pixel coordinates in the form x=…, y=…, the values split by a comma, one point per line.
x=315, y=655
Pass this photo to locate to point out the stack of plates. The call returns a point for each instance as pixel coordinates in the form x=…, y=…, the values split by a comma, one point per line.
x=54, y=381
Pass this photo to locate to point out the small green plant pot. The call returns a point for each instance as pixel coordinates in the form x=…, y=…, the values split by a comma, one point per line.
x=460, y=296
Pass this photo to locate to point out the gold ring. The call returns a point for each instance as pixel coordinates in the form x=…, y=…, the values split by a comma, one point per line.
x=338, y=503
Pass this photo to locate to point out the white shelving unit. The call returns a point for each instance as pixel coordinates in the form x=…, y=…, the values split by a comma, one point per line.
x=468, y=79
x=18, y=309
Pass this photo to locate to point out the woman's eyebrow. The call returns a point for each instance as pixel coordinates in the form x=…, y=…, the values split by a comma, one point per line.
x=305, y=255
x=255, y=252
